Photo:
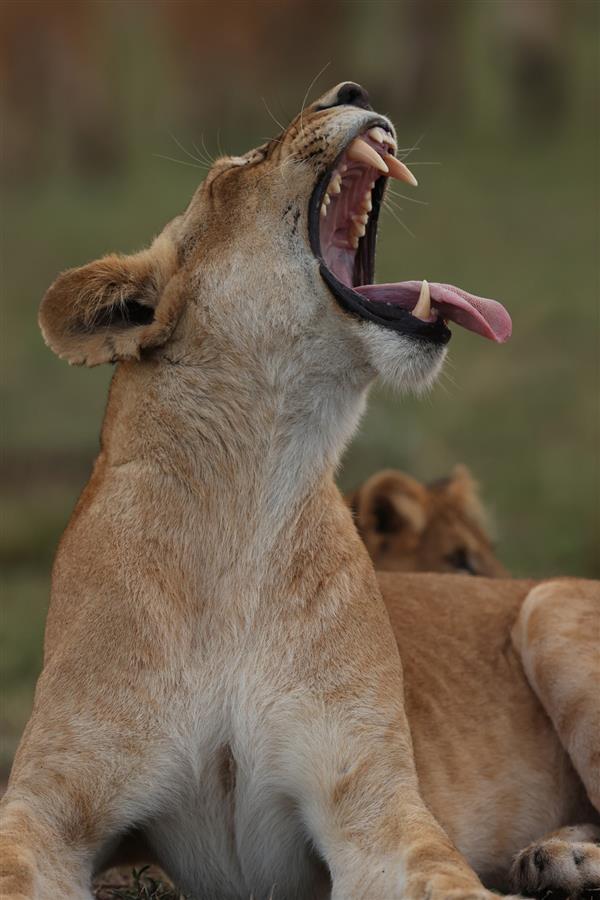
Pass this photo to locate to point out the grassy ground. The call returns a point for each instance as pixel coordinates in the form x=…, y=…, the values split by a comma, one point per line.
x=141, y=884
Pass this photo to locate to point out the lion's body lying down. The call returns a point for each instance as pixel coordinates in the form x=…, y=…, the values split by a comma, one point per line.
x=469, y=701
x=490, y=763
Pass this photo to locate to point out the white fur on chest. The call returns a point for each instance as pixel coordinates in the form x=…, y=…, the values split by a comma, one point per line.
x=232, y=826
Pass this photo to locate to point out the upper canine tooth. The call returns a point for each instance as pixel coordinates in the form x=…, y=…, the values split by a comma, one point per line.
x=422, y=309
x=360, y=151
x=378, y=134
x=399, y=170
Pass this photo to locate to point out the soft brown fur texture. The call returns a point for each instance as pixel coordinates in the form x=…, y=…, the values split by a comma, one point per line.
x=220, y=673
x=408, y=526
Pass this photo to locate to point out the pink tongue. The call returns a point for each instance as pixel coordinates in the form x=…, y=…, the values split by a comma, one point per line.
x=485, y=317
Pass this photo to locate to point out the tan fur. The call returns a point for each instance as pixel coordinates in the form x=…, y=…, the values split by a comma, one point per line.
x=220, y=673
x=408, y=526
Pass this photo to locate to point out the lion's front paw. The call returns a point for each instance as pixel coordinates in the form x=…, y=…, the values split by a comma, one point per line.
x=555, y=864
x=449, y=892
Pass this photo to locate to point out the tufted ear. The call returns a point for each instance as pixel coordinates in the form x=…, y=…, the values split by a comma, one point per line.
x=390, y=502
x=113, y=308
x=462, y=489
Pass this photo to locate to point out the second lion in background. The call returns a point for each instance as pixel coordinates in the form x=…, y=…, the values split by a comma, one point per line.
x=408, y=526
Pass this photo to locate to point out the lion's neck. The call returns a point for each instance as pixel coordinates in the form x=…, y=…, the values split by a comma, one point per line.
x=246, y=460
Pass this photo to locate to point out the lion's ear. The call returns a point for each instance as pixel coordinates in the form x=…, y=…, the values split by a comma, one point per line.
x=463, y=490
x=113, y=308
x=390, y=502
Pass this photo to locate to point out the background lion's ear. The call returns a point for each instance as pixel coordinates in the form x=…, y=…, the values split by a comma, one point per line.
x=111, y=309
x=463, y=490
x=390, y=502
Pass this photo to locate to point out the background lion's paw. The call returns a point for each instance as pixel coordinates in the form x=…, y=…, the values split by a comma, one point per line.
x=556, y=865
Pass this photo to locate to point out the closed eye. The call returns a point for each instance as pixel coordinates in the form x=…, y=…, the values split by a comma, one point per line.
x=459, y=560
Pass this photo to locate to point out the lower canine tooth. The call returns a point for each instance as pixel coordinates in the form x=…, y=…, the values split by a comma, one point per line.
x=422, y=309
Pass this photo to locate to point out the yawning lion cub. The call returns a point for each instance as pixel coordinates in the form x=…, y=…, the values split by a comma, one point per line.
x=221, y=677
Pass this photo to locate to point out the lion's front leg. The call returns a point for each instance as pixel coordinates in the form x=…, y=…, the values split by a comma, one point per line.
x=86, y=772
x=36, y=862
x=359, y=796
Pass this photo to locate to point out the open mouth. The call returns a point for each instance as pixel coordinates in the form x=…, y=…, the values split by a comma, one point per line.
x=343, y=215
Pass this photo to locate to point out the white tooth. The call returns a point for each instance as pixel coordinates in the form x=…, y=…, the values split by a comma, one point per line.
x=343, y=168
x=378, y=134
x=335, y=185
x=359, y=229
x=353, y=241
x=361, y=219
x=362, y=152
x=388, y=139
x=326, y=199
x=422, y=308
x=400, y=171
x=367, y=203
x=323, y=210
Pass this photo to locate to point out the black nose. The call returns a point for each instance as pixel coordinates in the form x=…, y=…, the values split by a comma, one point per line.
x=350, y=94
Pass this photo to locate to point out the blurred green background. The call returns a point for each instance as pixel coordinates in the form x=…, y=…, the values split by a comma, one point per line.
x=498, y=100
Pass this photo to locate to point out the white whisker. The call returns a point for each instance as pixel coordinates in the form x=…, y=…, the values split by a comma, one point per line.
x=395, y=205
x=280, y=169
x=405, y=197
x=415, y=146
x=397, y=219
x=219, y=148
x=275, y=119
x=308, y=90
x=206, y=162
x=182, y=162
x=211, y=157
x=184, y=149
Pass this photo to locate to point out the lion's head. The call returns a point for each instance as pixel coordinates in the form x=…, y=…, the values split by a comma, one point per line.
x=412, y=527
x=271, y=266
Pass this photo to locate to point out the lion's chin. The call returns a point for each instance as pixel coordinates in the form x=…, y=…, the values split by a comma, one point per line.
x=400, y=362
